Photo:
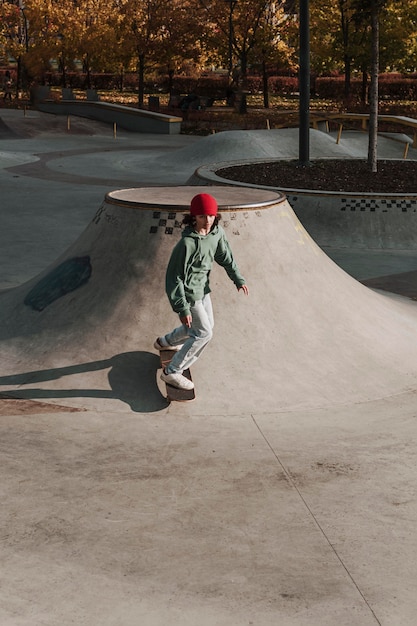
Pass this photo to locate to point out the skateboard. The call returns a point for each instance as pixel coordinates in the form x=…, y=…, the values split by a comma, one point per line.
x=173, y=393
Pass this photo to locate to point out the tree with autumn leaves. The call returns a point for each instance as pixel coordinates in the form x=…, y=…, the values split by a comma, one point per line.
x=341, y=34
x=148, y=36
x=248, y=30
x=157, y=35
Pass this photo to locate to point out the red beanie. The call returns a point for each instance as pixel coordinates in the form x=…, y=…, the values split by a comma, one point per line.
x=203, y=204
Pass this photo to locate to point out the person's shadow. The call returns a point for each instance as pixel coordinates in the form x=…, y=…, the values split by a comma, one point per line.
x=132, y=379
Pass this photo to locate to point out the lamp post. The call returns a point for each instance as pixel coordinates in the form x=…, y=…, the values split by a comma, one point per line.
x=304, y=82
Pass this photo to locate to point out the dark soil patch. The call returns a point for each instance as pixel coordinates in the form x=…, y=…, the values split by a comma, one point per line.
x=399, y=176
x=13, y=405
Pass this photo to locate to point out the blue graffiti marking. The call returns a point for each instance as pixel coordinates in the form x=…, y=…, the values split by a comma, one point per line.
x=66, y=277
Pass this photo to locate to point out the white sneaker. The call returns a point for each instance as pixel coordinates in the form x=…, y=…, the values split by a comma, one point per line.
x=161, y=344
x=177, y=380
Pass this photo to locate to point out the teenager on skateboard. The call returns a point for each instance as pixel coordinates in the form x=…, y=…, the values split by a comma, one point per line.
x=187, y=286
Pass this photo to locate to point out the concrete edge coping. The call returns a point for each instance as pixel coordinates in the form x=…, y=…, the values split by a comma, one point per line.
x=116, y=107
x=126, y=198
x=208, y=172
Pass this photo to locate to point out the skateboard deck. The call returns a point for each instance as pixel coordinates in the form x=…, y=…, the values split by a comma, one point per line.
x=173, y=393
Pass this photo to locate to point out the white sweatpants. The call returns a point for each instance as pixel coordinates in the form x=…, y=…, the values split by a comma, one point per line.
x=195, y=339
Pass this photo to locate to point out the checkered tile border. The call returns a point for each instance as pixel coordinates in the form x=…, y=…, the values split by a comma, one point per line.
x=371, y=205
x=168, y=224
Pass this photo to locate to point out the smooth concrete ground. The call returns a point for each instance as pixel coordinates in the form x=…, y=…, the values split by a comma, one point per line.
x=114, y=516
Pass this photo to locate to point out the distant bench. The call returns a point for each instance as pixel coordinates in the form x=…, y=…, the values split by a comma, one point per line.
x=321, y=122
x=129, y=118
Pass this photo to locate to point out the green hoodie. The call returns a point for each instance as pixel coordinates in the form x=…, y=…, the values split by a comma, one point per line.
x=188, y=271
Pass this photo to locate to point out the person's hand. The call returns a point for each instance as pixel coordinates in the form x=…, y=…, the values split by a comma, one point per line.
x=186, y=320
x=245, y=289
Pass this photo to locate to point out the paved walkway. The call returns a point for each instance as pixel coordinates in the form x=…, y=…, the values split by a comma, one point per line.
x=121, y=512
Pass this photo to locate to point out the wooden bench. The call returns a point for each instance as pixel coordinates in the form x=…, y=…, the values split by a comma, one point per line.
x=320, y=121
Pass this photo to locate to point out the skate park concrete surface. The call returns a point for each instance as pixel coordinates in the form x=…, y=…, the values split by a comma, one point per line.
x=285, y=494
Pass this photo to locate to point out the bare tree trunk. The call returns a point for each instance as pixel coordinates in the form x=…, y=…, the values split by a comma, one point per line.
x=344, y=23
x=364, y=86
x=88, y=71
x=373, y=92
x=265, y=84
x=242, y=82
x=347, y=86
x=170, y=80
x=141, y=80
x=19, y=80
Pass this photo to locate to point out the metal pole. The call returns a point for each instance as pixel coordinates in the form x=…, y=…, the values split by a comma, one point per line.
x=304, y=82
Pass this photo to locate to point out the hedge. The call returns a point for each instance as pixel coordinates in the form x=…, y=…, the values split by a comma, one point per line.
x=391, y=86
x=283, y=85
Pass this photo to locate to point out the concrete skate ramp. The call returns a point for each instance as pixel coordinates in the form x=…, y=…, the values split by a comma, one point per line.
x=307, y=335
x=6, y=132
x=251, y=145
